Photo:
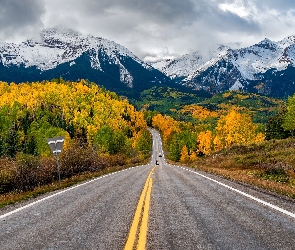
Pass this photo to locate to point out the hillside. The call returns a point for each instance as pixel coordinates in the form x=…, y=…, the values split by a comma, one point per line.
x=265, y=68
x=178, y=103
x=269, y=165
x=101, y=130
x=72, y=56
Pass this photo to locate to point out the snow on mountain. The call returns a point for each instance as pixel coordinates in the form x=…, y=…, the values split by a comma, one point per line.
x=56, y=46
x=266, y=67
x=238, y=69
x=261, y=57
x=179, y=67
x=217, y=55
x=237, y=86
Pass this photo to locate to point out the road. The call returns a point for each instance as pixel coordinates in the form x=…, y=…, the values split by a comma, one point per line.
x=183, y=209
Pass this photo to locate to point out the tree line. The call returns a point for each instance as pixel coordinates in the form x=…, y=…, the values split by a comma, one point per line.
x=91, y=118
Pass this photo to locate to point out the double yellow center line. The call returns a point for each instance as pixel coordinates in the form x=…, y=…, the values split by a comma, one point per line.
x=141, y=216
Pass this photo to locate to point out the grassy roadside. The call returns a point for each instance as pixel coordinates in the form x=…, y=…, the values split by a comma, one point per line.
x=14, y=197
x=269, y=165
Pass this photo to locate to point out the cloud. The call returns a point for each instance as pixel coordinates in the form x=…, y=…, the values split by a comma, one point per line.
x=156, y=28
x=18, y=18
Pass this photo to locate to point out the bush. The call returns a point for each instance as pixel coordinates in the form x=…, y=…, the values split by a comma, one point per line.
x=7, y=175
x=275, y=173
x=29, y=172
x=77, y=159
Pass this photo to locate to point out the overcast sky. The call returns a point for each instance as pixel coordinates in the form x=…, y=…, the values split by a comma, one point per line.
x=154, y=29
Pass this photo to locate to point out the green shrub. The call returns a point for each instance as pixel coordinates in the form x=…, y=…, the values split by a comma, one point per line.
x=275, y=173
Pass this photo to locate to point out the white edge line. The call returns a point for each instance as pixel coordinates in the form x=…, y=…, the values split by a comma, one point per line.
x=243, y=193
x=58, y=193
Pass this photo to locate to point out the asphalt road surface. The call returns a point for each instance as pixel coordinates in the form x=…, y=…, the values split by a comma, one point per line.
x=183, y=209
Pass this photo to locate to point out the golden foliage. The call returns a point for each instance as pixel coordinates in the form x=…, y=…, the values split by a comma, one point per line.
x=193, y=157
x=235, y=128
x=205, y=142
x=82, y=104
x=184, y=155
x=198, y=112
x=166, y=125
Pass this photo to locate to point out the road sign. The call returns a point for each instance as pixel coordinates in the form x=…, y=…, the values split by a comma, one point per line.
x=56, y=145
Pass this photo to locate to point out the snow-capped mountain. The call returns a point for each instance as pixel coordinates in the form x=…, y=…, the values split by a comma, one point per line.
x=267, y=68
x=68, y=54
x=180, y=67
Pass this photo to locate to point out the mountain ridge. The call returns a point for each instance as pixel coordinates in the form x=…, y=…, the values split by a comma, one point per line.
x=241, y=69
x=57, y=52
x=266, y=67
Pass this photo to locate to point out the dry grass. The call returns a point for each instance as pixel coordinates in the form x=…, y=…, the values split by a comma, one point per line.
x=28, y=177
x=269, y=165
x=13, y=197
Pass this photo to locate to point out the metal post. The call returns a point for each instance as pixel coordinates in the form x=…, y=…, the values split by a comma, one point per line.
x=58, y=167
x=56, y=145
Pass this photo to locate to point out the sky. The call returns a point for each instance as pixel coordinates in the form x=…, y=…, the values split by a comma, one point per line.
x=154, y=29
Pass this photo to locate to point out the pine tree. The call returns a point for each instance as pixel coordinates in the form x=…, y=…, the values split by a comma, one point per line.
x=2, y=147
x=289, y=117
x=12, y=142
x=30, y=146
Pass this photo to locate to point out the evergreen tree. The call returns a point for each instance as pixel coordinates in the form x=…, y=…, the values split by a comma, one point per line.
x=12, y=142
x=118, y=142
x=30, y=146
x=274, y=127
x=289, y=117
x=103, y=138
x=2, y=146
x=174, y=148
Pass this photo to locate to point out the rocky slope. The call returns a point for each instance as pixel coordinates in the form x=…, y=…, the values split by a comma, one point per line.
x=68, y=54
x=266, y=68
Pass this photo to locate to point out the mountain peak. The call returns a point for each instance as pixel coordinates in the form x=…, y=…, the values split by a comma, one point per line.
x=61, y=50
x=266, y=41
x=288, y=41
x=266, y=44
x=59, y=31
x=181, y=66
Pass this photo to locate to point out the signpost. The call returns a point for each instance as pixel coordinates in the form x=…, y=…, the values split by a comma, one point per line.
x=56, y=145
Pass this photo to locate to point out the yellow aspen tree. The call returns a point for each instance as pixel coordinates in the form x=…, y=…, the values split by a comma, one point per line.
x=204, y=142
x=235, y=128
x=259, y=137
x=184, y=155
x=166, y=125
x=193, y=157
x=217, y=143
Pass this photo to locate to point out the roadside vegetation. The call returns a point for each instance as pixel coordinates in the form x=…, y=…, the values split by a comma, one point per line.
x=269, y=165
x=242, y=136
x=245, y=137
x=103, y=132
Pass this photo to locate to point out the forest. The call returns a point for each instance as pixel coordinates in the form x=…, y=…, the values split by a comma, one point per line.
x=103, y=129
x=100, y=128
